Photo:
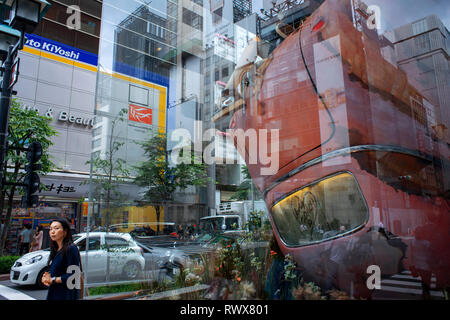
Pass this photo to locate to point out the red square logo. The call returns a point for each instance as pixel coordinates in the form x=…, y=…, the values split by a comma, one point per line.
x=140, y=114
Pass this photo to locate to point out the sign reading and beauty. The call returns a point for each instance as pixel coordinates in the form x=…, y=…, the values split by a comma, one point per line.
x=65, y=116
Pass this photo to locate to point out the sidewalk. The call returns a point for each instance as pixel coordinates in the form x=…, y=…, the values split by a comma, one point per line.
x=4, y=277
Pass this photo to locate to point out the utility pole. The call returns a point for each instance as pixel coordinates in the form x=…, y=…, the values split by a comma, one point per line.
x=5, y=103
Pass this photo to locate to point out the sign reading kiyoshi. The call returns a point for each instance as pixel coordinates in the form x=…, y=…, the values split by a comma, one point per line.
x=62, y=50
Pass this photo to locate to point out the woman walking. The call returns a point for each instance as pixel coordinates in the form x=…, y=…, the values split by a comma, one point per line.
x=36, y=244
x=63, y=253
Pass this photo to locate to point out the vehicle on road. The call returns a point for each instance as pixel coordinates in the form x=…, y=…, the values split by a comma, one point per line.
x=116, y=252
x=168, y=260
x=243, y=209
x=227, y=223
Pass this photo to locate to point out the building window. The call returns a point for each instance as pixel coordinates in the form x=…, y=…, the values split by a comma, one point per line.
x=199, y=2
x=192, y=19
x=216, y=75
x=420, y=27
x=57, y=32
x=156, y=30
x=87, y=42
x=422, y=42
x=96, y=143
x=225, y=72
x=138, y=95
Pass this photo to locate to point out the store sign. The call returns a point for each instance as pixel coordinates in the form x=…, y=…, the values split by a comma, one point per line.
x=64, y=116
x=58, y=189
x=224, y=47
x=62, y=50
x=140, y=114
x=65, y=188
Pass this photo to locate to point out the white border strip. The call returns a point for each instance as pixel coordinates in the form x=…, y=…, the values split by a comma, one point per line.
x=12, y=294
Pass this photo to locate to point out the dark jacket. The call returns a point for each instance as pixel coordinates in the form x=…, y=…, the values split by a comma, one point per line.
x=58, y=268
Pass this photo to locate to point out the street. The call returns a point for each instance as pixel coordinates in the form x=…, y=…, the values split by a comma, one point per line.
x=11, y=291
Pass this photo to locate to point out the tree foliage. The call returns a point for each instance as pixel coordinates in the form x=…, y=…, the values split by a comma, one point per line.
x=162, y=179
x=25, y=126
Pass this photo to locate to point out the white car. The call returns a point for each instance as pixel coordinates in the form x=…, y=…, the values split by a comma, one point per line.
x=126, y=259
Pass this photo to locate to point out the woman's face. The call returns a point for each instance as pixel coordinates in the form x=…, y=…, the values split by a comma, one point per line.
x=57, y=233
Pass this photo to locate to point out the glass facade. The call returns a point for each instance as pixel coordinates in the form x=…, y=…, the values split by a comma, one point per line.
x=315, y=131
x=267, y=149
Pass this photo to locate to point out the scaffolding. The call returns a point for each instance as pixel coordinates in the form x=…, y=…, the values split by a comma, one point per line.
x=241, y=9
x=280, y=7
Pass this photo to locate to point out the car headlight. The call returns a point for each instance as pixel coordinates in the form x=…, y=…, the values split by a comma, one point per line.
x=34, y=259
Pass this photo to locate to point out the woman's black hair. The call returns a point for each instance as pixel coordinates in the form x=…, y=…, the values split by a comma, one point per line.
x=67, y=241
x=39, y=228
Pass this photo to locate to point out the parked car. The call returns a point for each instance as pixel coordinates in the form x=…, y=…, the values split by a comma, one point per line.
x=29, y=268
x=126, y=259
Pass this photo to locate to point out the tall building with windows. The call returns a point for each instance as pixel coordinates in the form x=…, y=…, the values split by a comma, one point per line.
x=58, y=69
x=146, y=40
x=229, y=26
x=423, y=52
x=185, y=105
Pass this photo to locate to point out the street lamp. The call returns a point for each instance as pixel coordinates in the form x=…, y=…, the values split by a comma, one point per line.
x=26, y=14
x=8, y=37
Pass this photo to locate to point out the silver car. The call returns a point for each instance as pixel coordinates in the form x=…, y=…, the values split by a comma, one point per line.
x=163, y=261
x=110, y=256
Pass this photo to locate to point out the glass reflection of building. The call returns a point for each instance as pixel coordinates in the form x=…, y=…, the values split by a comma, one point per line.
x=225, y=23
x=423, y=50
x=57, y=84
x=150, y=64
x=137, y=53
x=192, y=50
x=145, y=42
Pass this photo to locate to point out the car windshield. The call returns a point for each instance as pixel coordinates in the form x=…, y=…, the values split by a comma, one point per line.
x=232, y=223
x=212, y=224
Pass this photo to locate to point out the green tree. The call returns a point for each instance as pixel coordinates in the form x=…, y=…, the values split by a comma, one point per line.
x=160, y=178
x=25, y=126
x=109, y=171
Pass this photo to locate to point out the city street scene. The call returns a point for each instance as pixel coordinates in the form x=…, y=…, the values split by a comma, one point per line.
x=223, y=150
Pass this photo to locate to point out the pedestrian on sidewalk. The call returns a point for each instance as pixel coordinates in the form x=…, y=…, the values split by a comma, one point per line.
x=63, y=253
x=36, y=244
x=25, y=239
